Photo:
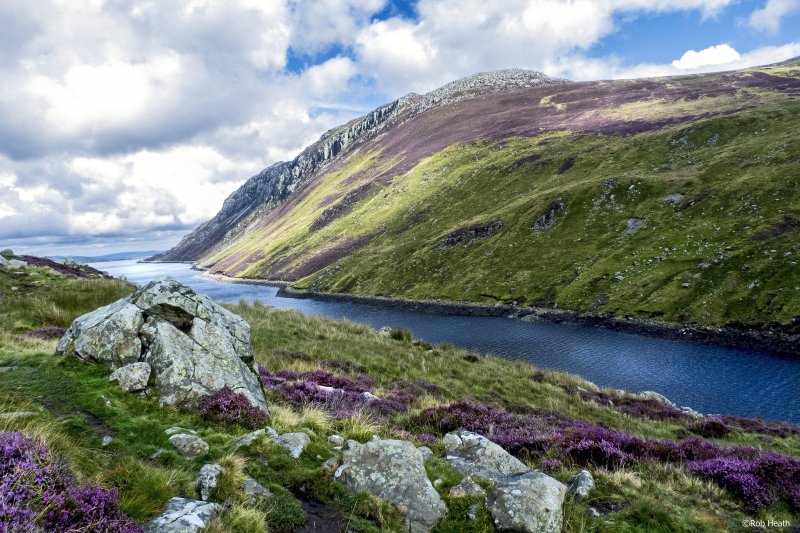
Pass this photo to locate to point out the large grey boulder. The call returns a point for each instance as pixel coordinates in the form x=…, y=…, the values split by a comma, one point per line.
x=194, y=346
x=392, y=470
x=3, y=261
x=182, y=515
x=475, y=455
x=529, y=503
x=133, y=377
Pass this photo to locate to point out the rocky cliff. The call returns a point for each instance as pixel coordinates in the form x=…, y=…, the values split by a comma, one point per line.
x=269, y=188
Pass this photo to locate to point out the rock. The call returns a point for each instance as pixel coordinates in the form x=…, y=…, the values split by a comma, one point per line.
x=684, y=285
x=592, y=512
x=633, y=225
x=529, y=503
x=691, y=412
x=703, y=266
x=178, y=429
x=207, y=480
x=580, y=485
x=474, y=454
x=294, y=442
x=3, y=261
x=652, y=395
x=385, y=331
x=472, y=512
x=182, y=515
x=674, y=198
x=466, y=489
x=16, y=263
x=247, y=440
x=107, y=439
x=108, y=335
x=189, y=446
x=194, y=346
x=156, y=454
x=392, y=470
x=133, y=377
x=254, y=490
x=336, y=440
x=8, y=252
x=331, y=464
x=426, y=452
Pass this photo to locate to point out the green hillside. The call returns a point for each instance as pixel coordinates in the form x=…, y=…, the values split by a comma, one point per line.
x=676, y=199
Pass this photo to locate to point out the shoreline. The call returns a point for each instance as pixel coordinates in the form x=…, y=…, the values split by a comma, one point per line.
x=766, y=340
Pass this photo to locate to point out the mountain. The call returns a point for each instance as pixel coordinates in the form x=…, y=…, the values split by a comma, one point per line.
x=118, y=256
x=670, y=198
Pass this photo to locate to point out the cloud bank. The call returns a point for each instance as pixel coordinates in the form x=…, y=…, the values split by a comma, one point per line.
x=127, y=123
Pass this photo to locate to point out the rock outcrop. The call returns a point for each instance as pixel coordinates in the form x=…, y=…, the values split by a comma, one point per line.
x=193, y=346
x=477, y=456
x=182, y=515
x=529, y=503
x=393, y=471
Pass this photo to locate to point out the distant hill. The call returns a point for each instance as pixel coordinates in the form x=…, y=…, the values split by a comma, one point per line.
x=669, y=198
x=119, y=256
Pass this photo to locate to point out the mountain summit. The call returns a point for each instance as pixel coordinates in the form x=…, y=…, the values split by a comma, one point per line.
x=672, y=198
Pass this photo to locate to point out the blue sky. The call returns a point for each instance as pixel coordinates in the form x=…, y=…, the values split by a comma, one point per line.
x=125, y=124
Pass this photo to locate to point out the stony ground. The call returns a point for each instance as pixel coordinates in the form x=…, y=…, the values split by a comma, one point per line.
x=656, y=467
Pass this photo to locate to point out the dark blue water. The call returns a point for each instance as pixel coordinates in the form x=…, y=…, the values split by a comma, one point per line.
x=707, y=378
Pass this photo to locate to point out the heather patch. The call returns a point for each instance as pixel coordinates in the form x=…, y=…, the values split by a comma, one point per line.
x=231, y=407
x=340, y=396
x=46, y=333
x=756, y=477
x=37, y=491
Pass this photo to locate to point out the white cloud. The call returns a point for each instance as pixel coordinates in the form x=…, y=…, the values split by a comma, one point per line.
x=768, y=18
x=720, y=54
x=137, y=118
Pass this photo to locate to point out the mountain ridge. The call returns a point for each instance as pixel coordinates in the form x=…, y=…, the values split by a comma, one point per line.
x=598, y=197
x=275, y=183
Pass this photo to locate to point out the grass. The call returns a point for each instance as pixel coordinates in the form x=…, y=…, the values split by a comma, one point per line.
x=739, y=180
x=75, y=405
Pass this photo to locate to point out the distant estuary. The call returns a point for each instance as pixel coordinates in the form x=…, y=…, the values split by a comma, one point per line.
x=710, y=379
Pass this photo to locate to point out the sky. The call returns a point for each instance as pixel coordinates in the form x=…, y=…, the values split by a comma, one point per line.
x=125, y=124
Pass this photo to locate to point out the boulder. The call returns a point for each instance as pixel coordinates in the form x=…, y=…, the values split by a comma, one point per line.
x=426, y=452
x=189, y=446
x=295, y=443
x=182, y=515
x=8, y=252
x=250, y=438
x=466, y=489
x=3, y=261
x=194, y=346
x=133, y=377
x=177, y=429
x=336, y=440
x=530, y=503
x=207, y=480
x=580, y=485
x=475, y=455
x=392, y=470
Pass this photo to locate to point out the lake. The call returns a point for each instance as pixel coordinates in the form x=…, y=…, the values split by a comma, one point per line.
x=710, y=379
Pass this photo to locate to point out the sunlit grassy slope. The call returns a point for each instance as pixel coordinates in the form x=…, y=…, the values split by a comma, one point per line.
x=694, y=218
